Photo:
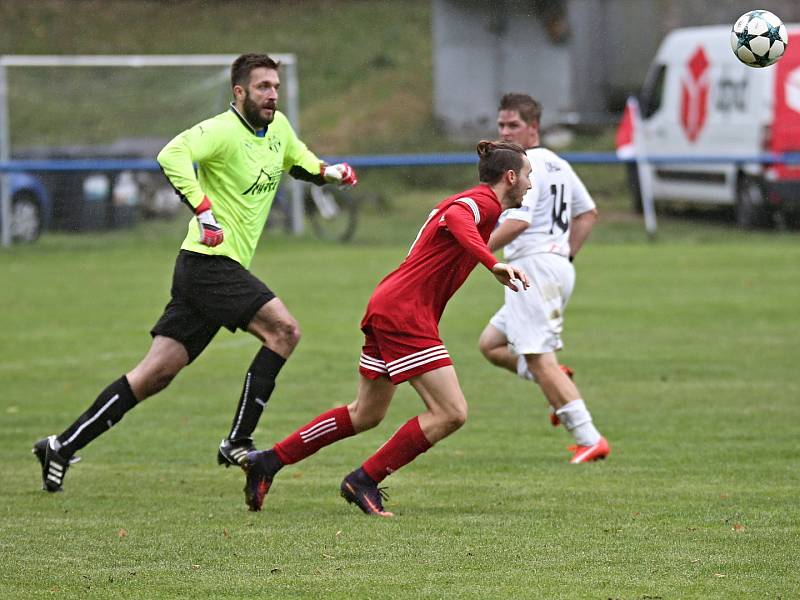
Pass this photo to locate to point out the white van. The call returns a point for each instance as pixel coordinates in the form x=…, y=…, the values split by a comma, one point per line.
x=699, y=101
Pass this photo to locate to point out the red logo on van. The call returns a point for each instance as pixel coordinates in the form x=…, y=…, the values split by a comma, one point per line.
x=694, y=94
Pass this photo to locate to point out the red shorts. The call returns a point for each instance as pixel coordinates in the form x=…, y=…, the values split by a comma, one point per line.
x=400, y=356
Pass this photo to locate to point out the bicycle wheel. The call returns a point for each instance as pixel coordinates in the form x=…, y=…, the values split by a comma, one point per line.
x=332, y=211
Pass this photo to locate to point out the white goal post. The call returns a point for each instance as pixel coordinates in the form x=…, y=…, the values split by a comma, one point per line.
x=289, y=104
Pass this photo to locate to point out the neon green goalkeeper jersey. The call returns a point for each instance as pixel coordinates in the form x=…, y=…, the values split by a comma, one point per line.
x=238, y=171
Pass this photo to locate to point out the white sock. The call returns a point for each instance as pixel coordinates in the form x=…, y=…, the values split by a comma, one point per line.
x=576, y=418
x=522, y=369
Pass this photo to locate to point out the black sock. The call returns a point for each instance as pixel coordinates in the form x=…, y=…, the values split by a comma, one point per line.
x=107, y=410
x=258, y=386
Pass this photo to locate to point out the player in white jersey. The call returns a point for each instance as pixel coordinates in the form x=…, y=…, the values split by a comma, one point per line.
x=542, y=237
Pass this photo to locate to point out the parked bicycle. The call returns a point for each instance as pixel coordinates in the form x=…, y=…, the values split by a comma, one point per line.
x=331, y=210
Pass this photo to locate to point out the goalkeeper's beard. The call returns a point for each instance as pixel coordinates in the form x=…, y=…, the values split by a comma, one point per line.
x=252, y=113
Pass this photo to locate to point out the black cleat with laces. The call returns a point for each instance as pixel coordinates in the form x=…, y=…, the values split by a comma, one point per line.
x=359, y=489
x=261, y=468
x=54, y=466
x=234, y=452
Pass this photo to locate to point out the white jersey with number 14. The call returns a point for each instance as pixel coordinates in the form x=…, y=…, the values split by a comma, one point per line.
x=557, y=194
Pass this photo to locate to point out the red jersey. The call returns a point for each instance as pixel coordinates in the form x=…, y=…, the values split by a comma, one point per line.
x=452, y=241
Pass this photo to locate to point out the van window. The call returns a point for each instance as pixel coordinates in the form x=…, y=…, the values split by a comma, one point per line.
x=653, y=91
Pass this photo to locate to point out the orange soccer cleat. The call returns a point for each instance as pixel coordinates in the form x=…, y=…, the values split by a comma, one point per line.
x=584, y=454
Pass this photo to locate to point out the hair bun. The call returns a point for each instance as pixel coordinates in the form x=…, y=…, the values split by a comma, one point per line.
x=486, y=147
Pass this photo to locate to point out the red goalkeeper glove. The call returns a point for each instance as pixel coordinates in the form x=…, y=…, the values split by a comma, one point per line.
x=340, y=173
x=210, y=231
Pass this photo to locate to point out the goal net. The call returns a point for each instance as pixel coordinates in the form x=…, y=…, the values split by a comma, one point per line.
x=97, y=111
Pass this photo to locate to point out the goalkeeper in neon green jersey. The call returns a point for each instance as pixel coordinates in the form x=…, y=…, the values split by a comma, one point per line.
x=240, y=155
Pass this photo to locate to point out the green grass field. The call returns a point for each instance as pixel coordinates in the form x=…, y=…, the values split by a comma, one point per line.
x=685, y=351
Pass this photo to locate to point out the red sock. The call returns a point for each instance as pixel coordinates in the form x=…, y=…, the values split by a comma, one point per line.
x=325, y=429
x=405, y=445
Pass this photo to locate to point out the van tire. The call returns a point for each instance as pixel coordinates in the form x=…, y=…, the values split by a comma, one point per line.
x=751, y=206
x=634, y=188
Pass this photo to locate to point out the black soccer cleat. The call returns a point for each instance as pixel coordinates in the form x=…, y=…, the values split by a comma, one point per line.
x=234, y=452
x=54, y=466
x=261, y=468
x=359, y=489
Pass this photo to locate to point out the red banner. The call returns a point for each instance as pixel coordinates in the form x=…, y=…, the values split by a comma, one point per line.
x=786, y=125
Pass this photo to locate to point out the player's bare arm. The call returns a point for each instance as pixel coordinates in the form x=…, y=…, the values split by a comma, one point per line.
x=580, y=230
x=507, y=232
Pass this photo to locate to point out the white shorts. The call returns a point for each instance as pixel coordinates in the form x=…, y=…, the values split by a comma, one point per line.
x=532, y=320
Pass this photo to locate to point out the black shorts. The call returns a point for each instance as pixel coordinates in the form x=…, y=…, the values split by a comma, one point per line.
x=209, y=292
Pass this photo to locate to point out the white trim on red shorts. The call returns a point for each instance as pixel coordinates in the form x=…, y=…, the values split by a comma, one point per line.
x=416, y=359
x=372, y=364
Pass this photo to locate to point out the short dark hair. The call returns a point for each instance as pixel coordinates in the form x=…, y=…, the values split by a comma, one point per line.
x=243, y=65
x=495, y=158
x=529, y=109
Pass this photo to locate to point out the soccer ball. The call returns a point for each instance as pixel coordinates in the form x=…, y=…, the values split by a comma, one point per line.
x=759, y=38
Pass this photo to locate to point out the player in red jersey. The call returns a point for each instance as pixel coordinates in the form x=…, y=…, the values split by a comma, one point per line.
x=401, y=328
